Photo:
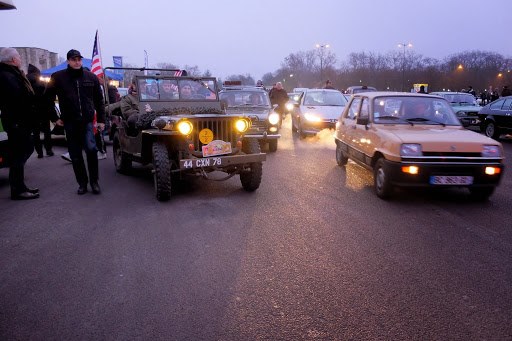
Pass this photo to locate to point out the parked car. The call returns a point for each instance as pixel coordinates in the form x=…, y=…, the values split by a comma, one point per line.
x=416, y=140
x=187, y=134
x=465, y=106
x=359, y=88
x=253, y=102
x=496, y=117
x=317, y=109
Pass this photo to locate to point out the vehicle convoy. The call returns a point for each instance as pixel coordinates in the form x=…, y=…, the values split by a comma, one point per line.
x=181, y=133
x=253, y=102
x=416, y=140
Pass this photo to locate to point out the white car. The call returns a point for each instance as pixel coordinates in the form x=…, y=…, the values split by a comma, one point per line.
x=318, y=109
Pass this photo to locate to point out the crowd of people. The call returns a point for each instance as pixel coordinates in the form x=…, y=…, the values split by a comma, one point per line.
x=27, y=107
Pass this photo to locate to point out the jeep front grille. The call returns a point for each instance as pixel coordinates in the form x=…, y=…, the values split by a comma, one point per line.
x=223, y=128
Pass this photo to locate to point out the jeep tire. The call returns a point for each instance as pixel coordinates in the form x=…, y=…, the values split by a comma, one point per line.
x=272, y=146
x=122, y=161
x=251, y=178
x=161, y=171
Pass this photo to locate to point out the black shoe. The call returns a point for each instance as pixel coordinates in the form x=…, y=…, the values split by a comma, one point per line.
x=32, y=190
x=49, y=153
x=39, y=155
x=95, y=187
x=25, y=196
x=82, y=189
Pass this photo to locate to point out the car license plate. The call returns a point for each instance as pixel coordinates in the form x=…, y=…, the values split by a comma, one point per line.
x=451, y=180
x=203, y=162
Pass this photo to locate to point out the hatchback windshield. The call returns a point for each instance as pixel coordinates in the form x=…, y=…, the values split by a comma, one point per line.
x=460, y=99
x=413, y=110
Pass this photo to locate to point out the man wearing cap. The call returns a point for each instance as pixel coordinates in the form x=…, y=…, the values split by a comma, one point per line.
x=80, y=95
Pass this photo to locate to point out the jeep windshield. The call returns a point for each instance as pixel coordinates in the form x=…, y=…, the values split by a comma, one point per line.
x=241, y=98
x=413, y=110
x=177, y=89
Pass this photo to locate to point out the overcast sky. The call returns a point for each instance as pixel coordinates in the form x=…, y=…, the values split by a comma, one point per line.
x=239, y=36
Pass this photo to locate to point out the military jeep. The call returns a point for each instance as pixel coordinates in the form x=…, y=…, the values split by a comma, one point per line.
x=253, y=102
x=183, y=133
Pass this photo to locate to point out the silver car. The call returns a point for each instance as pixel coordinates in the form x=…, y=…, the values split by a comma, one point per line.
x=318, y=109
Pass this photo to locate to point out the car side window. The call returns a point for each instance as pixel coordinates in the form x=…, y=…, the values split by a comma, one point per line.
x=353, y=110
x=497, y=105
x=365, y=110
x=506, y=105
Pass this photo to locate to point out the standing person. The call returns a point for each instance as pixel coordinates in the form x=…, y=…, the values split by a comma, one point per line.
x=505, y=91
x=79, y=94
x=328, y=85
x=18, y=120
x=280, y=97
x=43, y=114
x=471, y=91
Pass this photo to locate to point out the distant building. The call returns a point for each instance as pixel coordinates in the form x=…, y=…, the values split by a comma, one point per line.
x=41, y=58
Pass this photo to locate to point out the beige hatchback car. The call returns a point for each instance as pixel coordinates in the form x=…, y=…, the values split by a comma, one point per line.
x=416, y=140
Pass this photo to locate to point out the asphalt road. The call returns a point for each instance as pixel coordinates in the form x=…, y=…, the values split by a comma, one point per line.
x=312, y=255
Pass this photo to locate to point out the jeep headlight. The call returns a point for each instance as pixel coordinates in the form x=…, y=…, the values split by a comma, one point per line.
x=289, y=106
x=312, y=117
x=185, y=127
x=411, y=149
x=491, y=151
x=242, y=125
x=273, y=118
x=159, y=123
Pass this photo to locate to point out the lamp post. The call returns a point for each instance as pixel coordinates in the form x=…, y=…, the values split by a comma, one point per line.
x=403, y=45
x=321, y=53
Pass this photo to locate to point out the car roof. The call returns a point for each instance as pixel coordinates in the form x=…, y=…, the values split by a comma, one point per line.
x=243, y=88
x=375, y=94
x=451, y=93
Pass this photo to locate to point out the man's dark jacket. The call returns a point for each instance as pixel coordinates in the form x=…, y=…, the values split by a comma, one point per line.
x=79, y=94
x=16, y=98
x=42, y=112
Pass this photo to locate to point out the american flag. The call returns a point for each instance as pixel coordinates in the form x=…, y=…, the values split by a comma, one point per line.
x=96, y=58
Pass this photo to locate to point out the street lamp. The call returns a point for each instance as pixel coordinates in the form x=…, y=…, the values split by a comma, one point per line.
x=403, y=45
x=321, y=54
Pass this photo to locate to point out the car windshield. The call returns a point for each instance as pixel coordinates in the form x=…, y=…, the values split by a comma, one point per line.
x=460, y=99
x=325, y=98
x=176, y=89
x=413, y=110
x=241, y=98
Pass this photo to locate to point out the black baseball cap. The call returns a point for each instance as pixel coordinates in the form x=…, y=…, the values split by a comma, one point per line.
x=73, y=53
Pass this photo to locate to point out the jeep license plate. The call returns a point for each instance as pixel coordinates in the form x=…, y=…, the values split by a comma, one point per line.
x=203, y=162
x=451, y=180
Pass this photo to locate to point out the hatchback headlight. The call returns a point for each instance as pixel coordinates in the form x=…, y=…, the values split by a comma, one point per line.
x=312, y=117
x=491, y=151
x=242, y=125
x=185, y=127
x=273, y=118
x=411, y=149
